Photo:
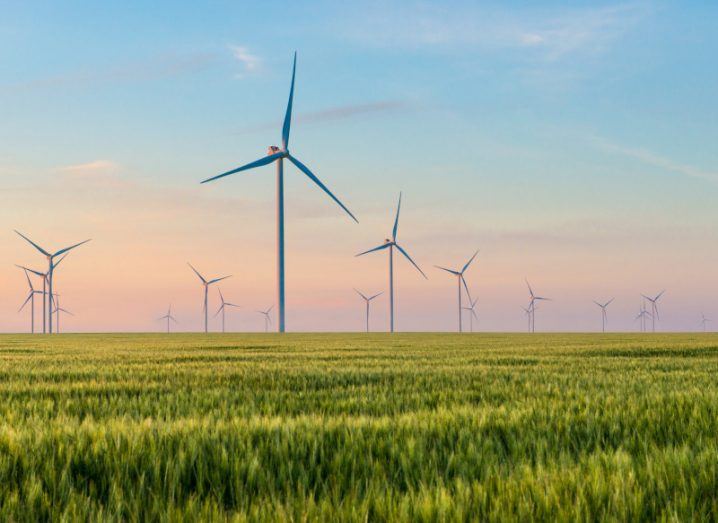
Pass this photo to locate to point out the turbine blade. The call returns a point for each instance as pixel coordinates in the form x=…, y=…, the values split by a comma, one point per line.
x=376, y=295
x=323, y=187
x=258, y=163
x=29, y=283
x=220, y=294
x=29, y=296
x=360, y=294
x=531, y=292
x=218, y=310
x=455, y=273
x=469, y=262
x=383, y=246
x=232, y=305
x=609, y=302
x=396, y=220
x=197, y=273
x=60, y=260
x=659, y=295
x=288, y=114
x=594, y=301
x=36, y=273
x=473, y=313
x=466, y=287
x=66, y=249
x=173, y=319
x=43, y=251
x=210, y=282
x=412, y=261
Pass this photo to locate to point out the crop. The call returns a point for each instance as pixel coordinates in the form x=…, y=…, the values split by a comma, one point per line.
x=421, y=427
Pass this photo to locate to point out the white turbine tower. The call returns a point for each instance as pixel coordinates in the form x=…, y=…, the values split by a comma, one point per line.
x=704, y=320
x=267, y=318
x=459, y=280
x=222, y=307
x=275, y=154
x=532, y=305
x=50, y=268
x=654, y=308
x=205, y=284
x=391, y=244
x=30, y=298
x=168, y=317
x=368, y=299
x=604, y=316
x=472, y=313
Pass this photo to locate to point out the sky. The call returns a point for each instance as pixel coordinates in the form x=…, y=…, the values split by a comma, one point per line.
x=574, y=146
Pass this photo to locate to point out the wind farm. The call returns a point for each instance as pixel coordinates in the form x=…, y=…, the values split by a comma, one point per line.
x=446, y=261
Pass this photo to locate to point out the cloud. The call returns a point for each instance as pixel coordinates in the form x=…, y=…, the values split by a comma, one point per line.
x=655, y=160
x=97, y=172
x=249, y=62
x=155, y=68
x=340, y=112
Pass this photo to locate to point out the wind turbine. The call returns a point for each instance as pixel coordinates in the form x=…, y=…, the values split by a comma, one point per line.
x=30, y=298
x=267, y=318
x=275, y=154
x=528, y=311
x=654, y=308
x=50, y=268
x=459, y=280
x=704, y=320
x=604, y=317
x=391, y=244
x=472, y=315
x=168, y=317
x=43, y=275
x=367, y=300
x=206, y=284
x=222, y=307
x=642, y=316
x=532, y=305
x=58, y=310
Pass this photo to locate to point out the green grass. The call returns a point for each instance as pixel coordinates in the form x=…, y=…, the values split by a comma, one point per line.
x=353, y=427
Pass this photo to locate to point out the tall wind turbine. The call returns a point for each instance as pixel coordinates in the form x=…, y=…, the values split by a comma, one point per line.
x=391, y=244
x=459, y=280
x=367, y=300
x=604, y=317
x=30, y=298
x=267, y=318
x=206, y=283
x=275, y=154
x=472, y=314
x=704, y=320
x=532, y=305
x=168, y=317
x=50, y=268
x=222, y=307
x=654, y=308
x=42, y=275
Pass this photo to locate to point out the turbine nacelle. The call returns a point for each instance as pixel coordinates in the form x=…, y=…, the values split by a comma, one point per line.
x=273, y=149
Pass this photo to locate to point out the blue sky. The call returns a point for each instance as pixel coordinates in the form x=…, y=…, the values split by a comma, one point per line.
x=565, y=142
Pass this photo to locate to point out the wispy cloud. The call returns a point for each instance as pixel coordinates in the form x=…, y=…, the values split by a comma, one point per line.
x=340, y=112
x=249, y=62
x=97, y=172
x=140, y=71
x=656, y=160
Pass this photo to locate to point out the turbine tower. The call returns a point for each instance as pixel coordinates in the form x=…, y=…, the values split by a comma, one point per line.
x=391, y=244
x=367, y=300
x=704, y=320
x=267, y=318
x=222, y=307
x=527, y=312
x=459, y=280
x=168, y=317
x=275, y=154
x=604, y=317
x=532, y=305
x=50, y=268
x=30, y=298
x=654, y=308
x=472, y=315
x=206, y=283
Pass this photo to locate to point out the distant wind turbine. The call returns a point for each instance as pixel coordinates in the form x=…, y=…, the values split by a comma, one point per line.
x=704, y=320
x=472, y=313
x=604, y=316
x=206, y=283
x=528, y=311
x=459, y=280
x=42, y=275
x=367, y=300
x=30, y=298
x=50, y=268
x=223, y=307
x=275, y=154
x=168, y=317
x=267, y=318
x=532, y=305
x=391, y=244
x=58, y=310
x=642, y=317
x=654, y=308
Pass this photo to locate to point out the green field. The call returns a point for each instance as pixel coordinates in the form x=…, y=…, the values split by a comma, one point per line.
x=354, y=427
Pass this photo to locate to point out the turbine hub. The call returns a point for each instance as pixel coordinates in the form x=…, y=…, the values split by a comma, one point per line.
x=273, y=149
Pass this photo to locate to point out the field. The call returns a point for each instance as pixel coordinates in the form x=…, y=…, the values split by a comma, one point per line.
x=354, y=427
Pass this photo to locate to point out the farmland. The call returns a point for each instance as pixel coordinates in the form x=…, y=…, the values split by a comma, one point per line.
x=428, y=427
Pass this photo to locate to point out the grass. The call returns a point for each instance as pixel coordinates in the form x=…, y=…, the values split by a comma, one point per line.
x=421, y=427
